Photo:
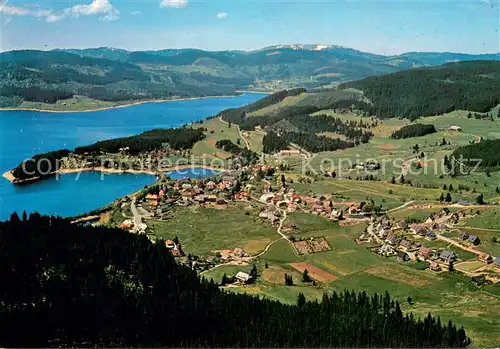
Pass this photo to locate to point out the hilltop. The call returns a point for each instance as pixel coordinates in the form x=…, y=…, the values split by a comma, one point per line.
x=33, y=79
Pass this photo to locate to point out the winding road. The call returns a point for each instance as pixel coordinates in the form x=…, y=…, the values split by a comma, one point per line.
x=239, y=132
x=137, y=216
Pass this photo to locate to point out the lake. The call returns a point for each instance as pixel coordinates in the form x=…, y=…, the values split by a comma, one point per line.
x=25, y=133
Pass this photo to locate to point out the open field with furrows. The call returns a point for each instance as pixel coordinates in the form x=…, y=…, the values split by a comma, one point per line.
x=203, y=229
x=216, y=130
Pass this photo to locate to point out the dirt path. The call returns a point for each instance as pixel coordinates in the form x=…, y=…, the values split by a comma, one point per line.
x=475, y=228
x=137, y=216
x=453, y=242
x=304, y=152
x=239, y=132
x=400, y=207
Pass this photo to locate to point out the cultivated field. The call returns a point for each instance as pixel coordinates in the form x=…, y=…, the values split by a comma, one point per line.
x=315, y=272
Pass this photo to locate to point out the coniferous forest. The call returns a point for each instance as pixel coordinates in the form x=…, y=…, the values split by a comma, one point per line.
x=273, y=142
x=484, y=153
x=413, y=130
x=74, y=285
x=175, y=138
x=245, y=154
x=430, y=91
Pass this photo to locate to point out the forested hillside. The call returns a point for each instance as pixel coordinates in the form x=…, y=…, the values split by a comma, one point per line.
x=121, y=290
x=413, y=130
x=410, y=94
x=118, y=75
x=485, y=154
x=174, y=138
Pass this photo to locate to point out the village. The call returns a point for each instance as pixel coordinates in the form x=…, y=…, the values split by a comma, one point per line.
x=261, y=188
x=413, y=242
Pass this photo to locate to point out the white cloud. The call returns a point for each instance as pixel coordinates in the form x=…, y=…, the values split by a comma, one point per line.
x=174, y=3
x=135, y=13
x=22, y=11
x=222, y=15
x=96, y=7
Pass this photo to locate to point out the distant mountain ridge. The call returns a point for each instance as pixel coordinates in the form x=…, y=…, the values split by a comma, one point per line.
x=112, y=74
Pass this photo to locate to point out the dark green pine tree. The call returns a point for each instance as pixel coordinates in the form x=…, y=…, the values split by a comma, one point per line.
x=224, y=281
x=253, y=273
x=448, y=197
x=305, y=276
x=301, y=300
x=480, y=199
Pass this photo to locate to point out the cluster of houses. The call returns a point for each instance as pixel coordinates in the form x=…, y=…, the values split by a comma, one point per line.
x=390, y=241
x=185, y=192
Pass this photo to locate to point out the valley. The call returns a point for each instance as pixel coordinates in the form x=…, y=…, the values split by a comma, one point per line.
x=314, y=192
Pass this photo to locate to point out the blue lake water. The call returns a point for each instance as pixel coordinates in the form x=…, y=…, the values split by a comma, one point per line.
x=193, y=172
x=25, y=133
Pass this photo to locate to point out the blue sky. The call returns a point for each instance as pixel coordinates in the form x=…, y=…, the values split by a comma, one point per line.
x=386, y=27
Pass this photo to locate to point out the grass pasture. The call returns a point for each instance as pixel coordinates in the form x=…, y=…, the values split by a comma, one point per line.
x=204, y=229
x=216, y=130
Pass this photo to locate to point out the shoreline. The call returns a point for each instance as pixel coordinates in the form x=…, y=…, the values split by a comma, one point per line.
x=123, y=105
x=13, y=180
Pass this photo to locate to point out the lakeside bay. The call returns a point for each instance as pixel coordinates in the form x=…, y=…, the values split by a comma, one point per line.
x=25, y=133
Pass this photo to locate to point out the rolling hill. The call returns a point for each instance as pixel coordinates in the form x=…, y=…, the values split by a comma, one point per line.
x=111, y=74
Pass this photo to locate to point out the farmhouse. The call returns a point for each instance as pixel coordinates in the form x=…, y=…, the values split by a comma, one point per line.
x=430, y=235
x=169, y=244
x=403, y=256
x=391, y=239
x=447, y=256
x=455, y=128
x=243, y=277
x=238, y=252
x=406, y=244
x=496, y=262
x=289, y=152
x=464, y=235
x=386, y=250
x=434, y=266
x=425, y=252
x=473, y=239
